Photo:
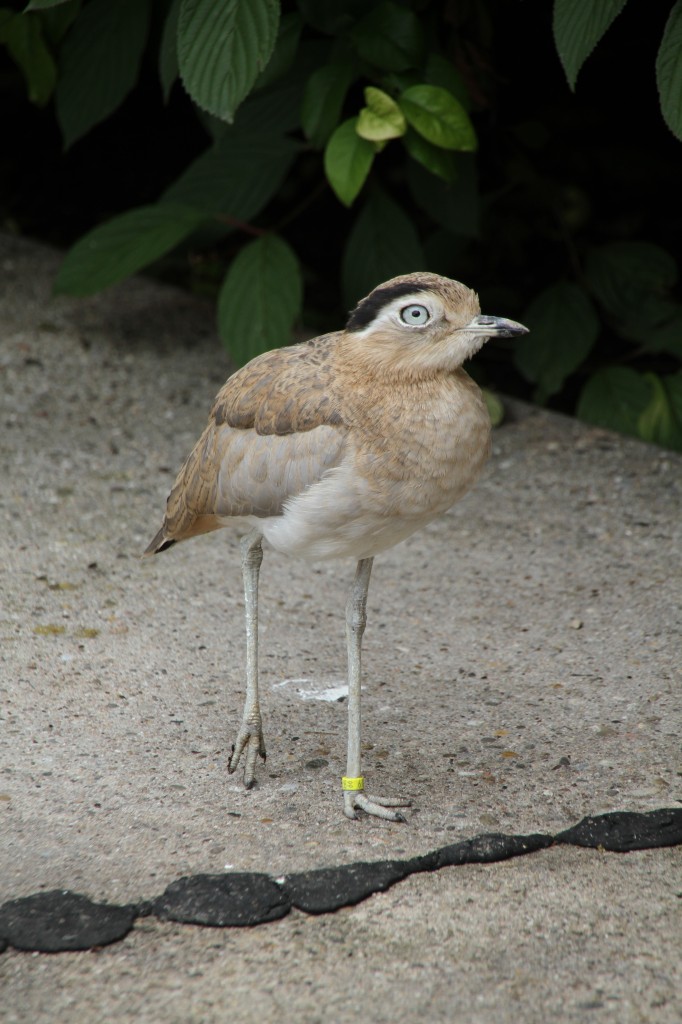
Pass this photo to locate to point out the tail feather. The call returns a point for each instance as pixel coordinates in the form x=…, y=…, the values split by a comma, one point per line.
x=190, y=508
x=161, y=542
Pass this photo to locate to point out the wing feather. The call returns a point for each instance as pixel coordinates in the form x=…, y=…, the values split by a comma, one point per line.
x=275, y=428
x=284, y=391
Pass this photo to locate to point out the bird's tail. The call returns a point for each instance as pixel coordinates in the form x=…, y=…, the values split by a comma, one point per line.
x=191, y=505
x=161, y=542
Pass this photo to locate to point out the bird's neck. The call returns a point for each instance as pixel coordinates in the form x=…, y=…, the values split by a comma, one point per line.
x=377, y=360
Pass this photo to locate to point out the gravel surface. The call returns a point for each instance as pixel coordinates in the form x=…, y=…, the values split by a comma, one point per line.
x=521, y=671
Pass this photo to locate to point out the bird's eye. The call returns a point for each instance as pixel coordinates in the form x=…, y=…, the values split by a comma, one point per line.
x=415, y=315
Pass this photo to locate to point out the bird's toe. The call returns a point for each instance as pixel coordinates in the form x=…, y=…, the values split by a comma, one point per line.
x=378, y=807
x=251, y=743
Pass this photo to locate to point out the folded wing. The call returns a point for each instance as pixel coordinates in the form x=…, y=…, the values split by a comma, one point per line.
x=275, y=429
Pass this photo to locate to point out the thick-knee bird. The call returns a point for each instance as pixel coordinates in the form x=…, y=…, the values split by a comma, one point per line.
x=340, y=447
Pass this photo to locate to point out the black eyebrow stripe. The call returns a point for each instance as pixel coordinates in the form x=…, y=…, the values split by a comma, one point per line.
x=368, y=309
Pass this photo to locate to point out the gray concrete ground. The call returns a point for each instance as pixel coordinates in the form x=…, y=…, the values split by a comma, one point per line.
x=522, y=670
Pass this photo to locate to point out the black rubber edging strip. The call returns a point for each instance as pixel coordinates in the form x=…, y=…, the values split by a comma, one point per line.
x=60, y=920
x=624, y=831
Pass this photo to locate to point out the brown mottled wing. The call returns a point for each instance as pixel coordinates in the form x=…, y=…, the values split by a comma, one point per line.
x=284, y=391
x=275, y=429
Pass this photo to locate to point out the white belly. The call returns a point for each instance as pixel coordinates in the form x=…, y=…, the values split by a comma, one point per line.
x=348, y=515
x=306, y=534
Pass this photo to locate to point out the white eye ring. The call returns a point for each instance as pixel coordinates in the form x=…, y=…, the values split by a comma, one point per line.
x=415, y=316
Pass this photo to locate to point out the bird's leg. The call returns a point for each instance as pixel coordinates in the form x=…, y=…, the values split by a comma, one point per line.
x=356, y=618
x=250, y=735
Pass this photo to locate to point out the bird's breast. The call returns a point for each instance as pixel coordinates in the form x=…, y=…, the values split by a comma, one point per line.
x=410, y=456
x=424, y=448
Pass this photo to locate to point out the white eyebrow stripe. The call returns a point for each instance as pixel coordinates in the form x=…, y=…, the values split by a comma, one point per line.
x=388, y=314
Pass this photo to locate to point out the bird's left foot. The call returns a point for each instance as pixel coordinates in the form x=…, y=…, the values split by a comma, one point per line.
x=380, y=807
x=249, y=739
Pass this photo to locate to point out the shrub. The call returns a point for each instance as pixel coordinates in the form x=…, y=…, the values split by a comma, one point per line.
x=353, y=141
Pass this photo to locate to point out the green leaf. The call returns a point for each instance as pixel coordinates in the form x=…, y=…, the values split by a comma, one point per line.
x=440, y=162
x=347, y=161
x=100, y=61
x=438, y=117
x=665, y=336
x=439, y=71
x=323, y=99
x=124, y=245
x=236, y=177
x=669, y=71
x=222, y=47
x=168, y=49
x=283, y=55
x=381, y=119
x=260, y=298
x=630, y=280
x=271, y=112
x=390, y=37
x=578, y=27
x=23, y=37
x=57, y=21
x=615, y=398
x=661, y=421
x=563, y=328
x=452, y=205
x=382, y=244
x=248, y=161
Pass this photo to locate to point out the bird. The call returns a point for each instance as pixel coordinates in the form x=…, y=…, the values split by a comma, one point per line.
x=341, y=446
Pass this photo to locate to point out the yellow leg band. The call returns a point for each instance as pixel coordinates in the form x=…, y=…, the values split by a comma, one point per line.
x=348, y=783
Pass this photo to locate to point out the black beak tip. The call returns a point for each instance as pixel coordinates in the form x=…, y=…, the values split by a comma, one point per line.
x=500, y=327
x=516, y=331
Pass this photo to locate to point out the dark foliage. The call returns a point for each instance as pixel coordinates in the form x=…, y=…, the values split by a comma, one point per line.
x=352, y=142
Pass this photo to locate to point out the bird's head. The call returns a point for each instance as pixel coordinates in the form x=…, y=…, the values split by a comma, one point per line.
x=423, y=323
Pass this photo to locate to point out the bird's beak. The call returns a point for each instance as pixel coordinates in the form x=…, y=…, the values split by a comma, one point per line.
x=495, y=326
